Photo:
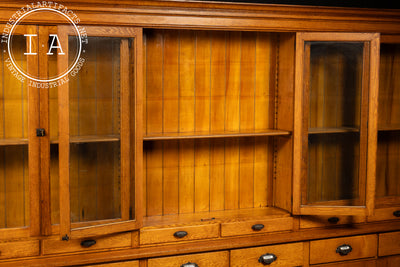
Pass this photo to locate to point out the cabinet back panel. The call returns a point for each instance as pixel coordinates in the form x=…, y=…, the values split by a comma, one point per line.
x=208, y=82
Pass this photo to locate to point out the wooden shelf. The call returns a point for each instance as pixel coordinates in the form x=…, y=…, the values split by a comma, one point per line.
x=13, y=141
x=327, y=130
x=90, y=139
x=204, y=135
x=389, y=128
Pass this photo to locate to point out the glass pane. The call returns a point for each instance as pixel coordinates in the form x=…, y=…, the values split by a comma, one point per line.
x=335, y=84
x=95, y=148
x=14, y=187
x=388, y=156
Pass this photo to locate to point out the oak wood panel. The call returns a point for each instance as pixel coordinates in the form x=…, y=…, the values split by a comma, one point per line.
x=326, y=221
x=57, y=246
x=322, y=251
x=205, y=259
x=287, y=255
x=19, y=249
x=117, y=264
x=361, y=263
x=391, y=261
x=166, y=234
x=389, y=244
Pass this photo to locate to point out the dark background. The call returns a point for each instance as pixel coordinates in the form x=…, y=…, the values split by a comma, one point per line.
x=389, y=4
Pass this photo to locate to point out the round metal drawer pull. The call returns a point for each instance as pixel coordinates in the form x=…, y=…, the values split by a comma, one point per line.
x=257, y=227
x=180, y=234
x=267, y=259
x=189, y=264
x=396, y=213
x=88, y=243
x=343, y=250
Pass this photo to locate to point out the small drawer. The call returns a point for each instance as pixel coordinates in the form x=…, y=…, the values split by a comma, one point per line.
x=256, y=226
x=355, y=263
x=384, y=214
x=19, y=249
x=56, y=246
x=174, y=234
x=389, y=244
x=117, y=264
x=280, y=255
x=220, y=259
x=311, y=221
x=341, y=249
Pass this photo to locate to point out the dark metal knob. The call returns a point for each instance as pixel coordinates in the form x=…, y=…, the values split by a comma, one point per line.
x=257, y=227
x=40, y=132
x=180, y=234
x=189, y=264
x=343, y=250
x=396, y=213
x=267, y=259
x=88, y=243
x=333, y=220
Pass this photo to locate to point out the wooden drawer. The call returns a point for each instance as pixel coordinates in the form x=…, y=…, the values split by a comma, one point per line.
x=286, y=255
x=322, y=251
x=389, y=244
x=19, y=249
x=384, y=214
x=220, y=259
x=171, y=234
x=327, y=221
x=246, y=227
x=55, y=246
x=356, y=263
x=117, y=264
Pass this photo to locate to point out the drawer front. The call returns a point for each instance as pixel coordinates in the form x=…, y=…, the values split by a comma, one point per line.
x=341, y=249
x=389, y=244
x=19, y=249
x=278, y=255
x=384, y=214
x=55, y=246
x=327, y=221
x=356, y=263
x=174, y=234
x=256, y=226
x=220, y=259
x=117, y=264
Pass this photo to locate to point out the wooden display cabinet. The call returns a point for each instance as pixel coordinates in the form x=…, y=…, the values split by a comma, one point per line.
x=203, y=134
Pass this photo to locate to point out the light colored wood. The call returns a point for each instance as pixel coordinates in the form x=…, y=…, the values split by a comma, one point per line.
x=57, y=246
x=389, y=244
x=19, y=249
x=245, y=227
x=385, y=213
x=117, y=264
x=166, y=234
x=322, y=221
x=322, y=251
x=360, y=263
x=287, y=255
x=205, y=259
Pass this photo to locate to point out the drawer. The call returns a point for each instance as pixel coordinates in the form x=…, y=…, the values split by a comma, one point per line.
x=212, y=259
x=341, y=249
x=384, y=214
x=174, y=234
x=117, y=264
x=281, y=255
x=55, y=246
x=326, y=221
x=19, y=249
x=389, y=244
x=253, y=226
x=356, y=263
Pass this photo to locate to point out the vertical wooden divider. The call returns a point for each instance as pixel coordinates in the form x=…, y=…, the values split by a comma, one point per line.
x=63, y=126
x=34, y=144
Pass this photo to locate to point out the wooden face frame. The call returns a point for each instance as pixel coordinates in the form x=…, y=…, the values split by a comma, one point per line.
x=368, y=124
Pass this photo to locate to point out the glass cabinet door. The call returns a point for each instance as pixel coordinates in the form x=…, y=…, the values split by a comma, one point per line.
x=18, y=142
x=97, y=157
x=388, y=154
x=335, y=123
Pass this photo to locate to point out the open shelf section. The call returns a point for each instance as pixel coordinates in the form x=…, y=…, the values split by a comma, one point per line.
x=90, y=139
x=236, y=215
x=204, y=135
x=328, y=130
x=13, y=141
